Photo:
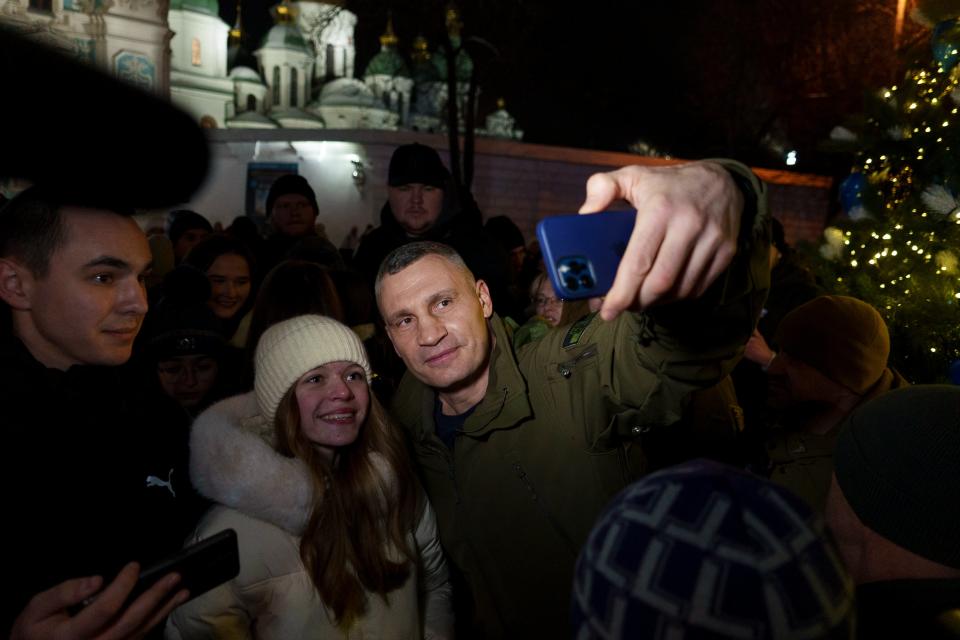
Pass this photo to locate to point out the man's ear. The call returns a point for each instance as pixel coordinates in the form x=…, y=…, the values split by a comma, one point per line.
x=15, y=281
x=486, y=302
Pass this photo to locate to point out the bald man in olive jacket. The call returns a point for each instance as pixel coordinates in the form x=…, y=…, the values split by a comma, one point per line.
x=520, y=450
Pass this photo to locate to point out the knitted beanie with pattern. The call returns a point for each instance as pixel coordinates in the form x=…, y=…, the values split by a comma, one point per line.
x=702, y=550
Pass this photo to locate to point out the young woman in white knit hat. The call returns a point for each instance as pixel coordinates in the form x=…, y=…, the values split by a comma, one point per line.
x=336, y=538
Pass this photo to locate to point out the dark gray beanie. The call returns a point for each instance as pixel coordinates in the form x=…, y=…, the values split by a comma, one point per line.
x=183, y=220
x=898, y=464
x=416, y=163
x=287, y=184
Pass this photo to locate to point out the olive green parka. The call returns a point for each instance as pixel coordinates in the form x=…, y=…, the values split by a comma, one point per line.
x=567, y=421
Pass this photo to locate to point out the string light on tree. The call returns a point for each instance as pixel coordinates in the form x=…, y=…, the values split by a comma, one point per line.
x=898, y=245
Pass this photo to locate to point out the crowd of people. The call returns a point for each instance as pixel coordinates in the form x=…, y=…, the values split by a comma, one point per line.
x=413, y=436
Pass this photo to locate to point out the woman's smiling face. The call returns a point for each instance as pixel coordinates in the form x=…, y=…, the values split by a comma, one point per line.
x=229, y=277
x=333, y=400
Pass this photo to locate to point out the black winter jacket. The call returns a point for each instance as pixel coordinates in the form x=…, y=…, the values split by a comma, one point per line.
x=94, y=476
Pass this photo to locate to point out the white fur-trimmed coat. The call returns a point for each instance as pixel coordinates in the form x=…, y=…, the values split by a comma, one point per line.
x=266, y=498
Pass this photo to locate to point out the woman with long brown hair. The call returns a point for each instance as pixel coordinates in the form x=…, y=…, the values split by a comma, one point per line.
x=336, y=539
x=229, y=266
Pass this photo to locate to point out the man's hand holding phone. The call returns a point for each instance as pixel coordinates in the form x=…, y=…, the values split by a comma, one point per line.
x=106, y=617
x=688, y=218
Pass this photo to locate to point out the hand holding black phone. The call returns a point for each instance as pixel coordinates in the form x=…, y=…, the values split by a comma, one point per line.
x=201, y=567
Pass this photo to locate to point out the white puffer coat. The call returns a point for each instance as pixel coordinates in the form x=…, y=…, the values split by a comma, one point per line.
x=266, y=498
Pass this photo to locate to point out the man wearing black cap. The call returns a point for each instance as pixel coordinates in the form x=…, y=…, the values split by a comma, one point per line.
x=416, y=182
x=423, y=204
x=292, y=210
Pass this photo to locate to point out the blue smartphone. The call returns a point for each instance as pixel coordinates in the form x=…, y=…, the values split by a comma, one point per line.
x=582, y=252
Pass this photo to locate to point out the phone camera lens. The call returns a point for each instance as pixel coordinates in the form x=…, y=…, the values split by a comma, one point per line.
x=571, y=283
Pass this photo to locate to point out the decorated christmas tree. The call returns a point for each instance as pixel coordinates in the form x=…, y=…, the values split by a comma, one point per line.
x=897, y=247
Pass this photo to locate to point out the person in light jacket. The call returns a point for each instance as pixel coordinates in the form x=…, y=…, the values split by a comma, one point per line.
x=335, y=535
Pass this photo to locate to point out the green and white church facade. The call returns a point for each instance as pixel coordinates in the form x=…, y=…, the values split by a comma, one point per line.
x=301, y=76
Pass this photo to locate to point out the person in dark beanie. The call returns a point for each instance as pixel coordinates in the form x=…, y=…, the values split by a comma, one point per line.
x=703, y=550
x=424, y=203
x=893, y=508
x=292, y=206
x=186, y=229
x=292, y=211
x=832, y=358
x=417, y=179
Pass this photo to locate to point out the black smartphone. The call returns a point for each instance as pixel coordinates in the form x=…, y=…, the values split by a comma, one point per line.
x=582, y=252
x=202, y=566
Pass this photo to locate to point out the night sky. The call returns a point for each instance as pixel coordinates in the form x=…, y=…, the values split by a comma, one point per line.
x=750, y=79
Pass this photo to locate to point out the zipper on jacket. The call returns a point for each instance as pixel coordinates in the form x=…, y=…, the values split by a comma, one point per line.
x=566, y=368
x=450, y=453
x=433, y=443
x=574, y=549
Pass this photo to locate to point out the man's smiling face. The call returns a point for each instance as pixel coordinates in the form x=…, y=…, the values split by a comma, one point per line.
x=436, y=316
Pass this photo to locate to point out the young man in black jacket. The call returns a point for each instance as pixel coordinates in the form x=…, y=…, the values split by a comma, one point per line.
x=95, y=484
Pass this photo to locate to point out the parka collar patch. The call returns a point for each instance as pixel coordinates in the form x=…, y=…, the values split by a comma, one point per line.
x=575, y=332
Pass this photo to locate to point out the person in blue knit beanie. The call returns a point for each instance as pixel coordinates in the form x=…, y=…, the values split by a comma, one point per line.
x=706, y=551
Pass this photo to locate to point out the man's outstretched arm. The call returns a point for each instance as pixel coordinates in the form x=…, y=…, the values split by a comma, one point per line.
x=689, y=219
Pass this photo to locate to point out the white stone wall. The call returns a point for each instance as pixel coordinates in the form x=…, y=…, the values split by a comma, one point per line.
x=349, y=117
x=244, y=88
x=327, y=166
x=209, y=98
x=524, y=181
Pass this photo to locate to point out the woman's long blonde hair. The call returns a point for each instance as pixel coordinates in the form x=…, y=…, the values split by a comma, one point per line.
x=356, y=541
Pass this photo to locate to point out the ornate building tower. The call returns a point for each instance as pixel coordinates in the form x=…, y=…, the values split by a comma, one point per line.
x=328, y=27
x=286, y=63
x=198, y=62
x=388, y=76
